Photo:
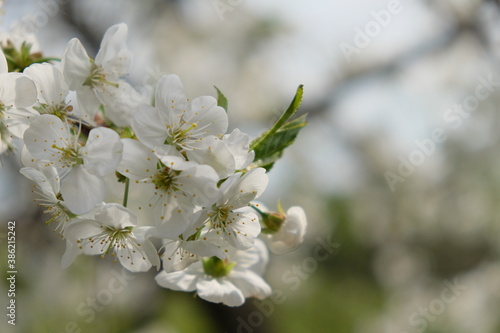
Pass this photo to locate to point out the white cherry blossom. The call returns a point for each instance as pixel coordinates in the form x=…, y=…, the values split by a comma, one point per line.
x=48, y=182
x=229, y=281
x=191, y=127
x=176, y=121
x=52, y=90
x=80, y=166
x=51, y=99
x=112, y=231
x=225, y=155
x=13, y=103
x=98, y=82
x=175, y=194
x=228, y=217
x=188, y=249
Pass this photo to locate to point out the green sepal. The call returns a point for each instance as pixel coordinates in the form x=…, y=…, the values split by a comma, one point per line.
x=273, y=221
x=216, y=267
x=266, y=231
x=126, y=133
x=121, y=178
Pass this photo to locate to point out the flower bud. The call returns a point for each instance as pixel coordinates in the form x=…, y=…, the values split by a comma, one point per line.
x=285, y=232
x=272, y=221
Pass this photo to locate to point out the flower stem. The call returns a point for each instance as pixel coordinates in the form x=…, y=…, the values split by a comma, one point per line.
x=125, y=195
x=258, y=210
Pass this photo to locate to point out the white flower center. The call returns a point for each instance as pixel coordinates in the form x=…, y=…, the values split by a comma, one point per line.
x=98, y=77
x=219, y=216
x=114, y=239
x=59, y=110
x=165, y=179
x=176, y=136
x=69, y=156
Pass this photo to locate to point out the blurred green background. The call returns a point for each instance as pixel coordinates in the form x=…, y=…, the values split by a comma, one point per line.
x=379, y=77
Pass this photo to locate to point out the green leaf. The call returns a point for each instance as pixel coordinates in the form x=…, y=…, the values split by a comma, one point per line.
x=294, y=106
x=270, y=145
x=221, y=99
x=268, y=153
x=283, y=138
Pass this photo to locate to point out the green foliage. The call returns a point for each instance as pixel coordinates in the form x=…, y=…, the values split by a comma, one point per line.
x=19, y=59
x=269, y=146
x=221, y=99
x=334, y=304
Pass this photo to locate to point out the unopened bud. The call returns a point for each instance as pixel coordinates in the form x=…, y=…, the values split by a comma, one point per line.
x=273, y=221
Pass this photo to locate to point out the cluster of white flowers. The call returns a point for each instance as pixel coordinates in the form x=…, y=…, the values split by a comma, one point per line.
x=150, y=180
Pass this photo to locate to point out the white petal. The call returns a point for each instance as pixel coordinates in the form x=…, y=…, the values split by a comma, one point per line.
x=47, y=181
x=180, y=280
x=142, y=234
x=115, y=215
x=238, y=144
x=172, y=217
x=172, y=158
x=251, y=284
x=69, y=255
x=81, y=190
x=27, y=159
x=212, y=151
x=151, y=253
x=176, y=257
x=75, y=64
x=204, y=248
x=3, y=63
x=242, y=229
x=17, y=90
x=200, y=185
x=210, y=118
x=45, y=133
x=50, y=83
x=114, y=55
x=249, y=187
x=72, y=99
x=120, y=103
x=148, y=126
x=138, y=161
x=231, y=181
x=132, y=257
x=88, y=102
x=17, y=120
x=169, y=94
x=255, y=259
x=220, y=291
x=82, y=229
x=103, y=151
